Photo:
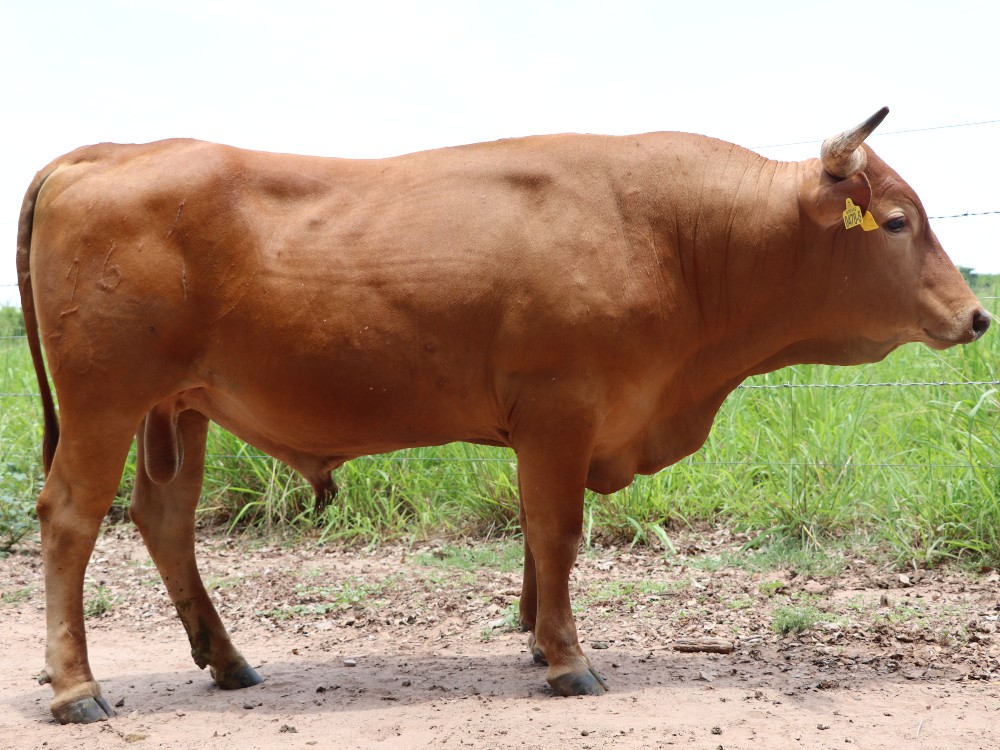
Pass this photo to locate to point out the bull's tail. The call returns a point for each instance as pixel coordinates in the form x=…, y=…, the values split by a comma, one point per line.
x=51, y=434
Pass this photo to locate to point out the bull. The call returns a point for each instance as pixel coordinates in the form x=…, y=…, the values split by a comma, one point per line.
x=586, y=301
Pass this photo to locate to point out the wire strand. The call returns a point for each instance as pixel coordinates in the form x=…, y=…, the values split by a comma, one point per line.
x=683, y=462
x=914, y=384
x=966, y=214
x=878, y=134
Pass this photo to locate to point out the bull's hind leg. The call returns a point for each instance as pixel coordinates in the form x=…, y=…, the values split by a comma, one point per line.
x=80, y=487
x=164, y=514
x=552, y=475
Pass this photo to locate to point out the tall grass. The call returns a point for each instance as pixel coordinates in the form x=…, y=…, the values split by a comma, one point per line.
x=20, y=435
x=910, y=467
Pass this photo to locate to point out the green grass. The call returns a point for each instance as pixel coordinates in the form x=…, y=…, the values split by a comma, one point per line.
x=614, y=591
x=508, y=622
x=499, y=556
x=17, y=596
x=796, y=618
x=320, y=600
x=774, y=552
x=908, y=470
x=98, y=601
x=770, y=588
x=20, y=439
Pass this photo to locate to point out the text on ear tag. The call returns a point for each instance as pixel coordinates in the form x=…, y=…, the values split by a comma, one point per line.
x=853, y=216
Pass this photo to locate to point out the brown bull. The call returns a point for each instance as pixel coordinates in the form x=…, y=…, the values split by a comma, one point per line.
x=587, y=301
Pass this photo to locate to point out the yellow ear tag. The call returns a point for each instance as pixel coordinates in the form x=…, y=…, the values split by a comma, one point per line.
x=852, y=215
x=854, y=218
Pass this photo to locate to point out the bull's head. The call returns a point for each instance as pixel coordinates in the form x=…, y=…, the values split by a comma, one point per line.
x=895, y=283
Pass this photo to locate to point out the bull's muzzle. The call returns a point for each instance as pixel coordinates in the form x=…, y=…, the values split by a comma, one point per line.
x=980, y=322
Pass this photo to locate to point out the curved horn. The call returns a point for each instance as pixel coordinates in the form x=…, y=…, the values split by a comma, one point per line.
x=842, y=154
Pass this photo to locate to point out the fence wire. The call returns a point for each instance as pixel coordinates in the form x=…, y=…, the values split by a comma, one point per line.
x=915, y=384
x=690, y=461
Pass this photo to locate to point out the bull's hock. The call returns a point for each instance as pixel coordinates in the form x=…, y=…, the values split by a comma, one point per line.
x=588, y=301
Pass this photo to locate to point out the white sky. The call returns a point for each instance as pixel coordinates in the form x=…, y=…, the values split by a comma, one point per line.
x=368, y=78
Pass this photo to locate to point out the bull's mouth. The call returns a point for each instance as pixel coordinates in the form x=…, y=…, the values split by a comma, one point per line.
x=935, y=343
x=939, y=342
x=964, y=329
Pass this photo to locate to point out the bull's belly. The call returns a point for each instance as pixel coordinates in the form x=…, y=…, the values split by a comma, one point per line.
x=332, y=425
x=320, y=412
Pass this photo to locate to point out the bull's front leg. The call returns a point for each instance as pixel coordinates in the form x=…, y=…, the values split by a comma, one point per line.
x=551, y=476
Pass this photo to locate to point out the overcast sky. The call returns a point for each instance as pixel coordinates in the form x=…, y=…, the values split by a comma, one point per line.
x=371, y=79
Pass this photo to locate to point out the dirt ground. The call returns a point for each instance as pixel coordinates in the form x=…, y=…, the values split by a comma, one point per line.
x=408, y=647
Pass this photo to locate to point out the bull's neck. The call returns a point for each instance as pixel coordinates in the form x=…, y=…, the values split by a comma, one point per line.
x=744, y=260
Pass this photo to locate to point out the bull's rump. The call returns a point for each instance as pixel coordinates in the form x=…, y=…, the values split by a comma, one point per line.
x=332, y=305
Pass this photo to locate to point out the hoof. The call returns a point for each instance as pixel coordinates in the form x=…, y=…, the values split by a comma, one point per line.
x=587, y=682
x=536, y=652
x=84, y=711
x=243, y=677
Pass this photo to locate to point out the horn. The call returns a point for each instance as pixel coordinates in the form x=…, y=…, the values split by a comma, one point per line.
x=842, y=154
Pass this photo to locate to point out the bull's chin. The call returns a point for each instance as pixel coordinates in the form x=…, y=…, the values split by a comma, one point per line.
x=940, y=341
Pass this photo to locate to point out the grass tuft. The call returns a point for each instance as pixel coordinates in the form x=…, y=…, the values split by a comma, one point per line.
x=795, y=618
x=98, y=601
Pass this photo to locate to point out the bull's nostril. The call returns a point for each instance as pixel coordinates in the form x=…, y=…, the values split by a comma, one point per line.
x=980, y=322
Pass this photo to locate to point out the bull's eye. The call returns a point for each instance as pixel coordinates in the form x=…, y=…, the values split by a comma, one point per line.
x=895, y=224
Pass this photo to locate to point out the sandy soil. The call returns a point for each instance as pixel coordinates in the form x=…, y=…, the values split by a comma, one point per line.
x=412, y=647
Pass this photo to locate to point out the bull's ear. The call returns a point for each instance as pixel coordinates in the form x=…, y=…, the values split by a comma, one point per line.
x=826, y=201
